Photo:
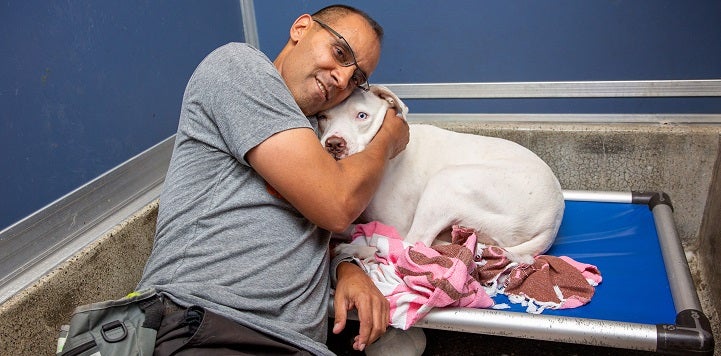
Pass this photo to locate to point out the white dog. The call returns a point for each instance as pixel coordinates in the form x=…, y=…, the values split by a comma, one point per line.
x=444, y=178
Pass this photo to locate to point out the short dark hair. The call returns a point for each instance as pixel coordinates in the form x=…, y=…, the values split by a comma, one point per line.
x=333, y=12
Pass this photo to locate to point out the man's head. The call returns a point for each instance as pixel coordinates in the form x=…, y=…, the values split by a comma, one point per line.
x=327, y=56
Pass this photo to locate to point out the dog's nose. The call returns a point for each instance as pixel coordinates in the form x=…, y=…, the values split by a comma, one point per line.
x=335, y=144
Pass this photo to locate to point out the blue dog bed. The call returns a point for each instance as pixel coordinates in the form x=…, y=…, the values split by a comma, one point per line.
x=647, y=300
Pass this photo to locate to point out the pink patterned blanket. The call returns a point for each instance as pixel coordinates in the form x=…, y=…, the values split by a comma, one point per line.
x=417, y=278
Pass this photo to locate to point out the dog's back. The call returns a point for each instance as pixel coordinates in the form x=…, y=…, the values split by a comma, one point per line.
x=495, y=186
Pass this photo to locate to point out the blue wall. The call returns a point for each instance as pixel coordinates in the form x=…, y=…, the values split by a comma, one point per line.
x=531, y=40
x=85, y=85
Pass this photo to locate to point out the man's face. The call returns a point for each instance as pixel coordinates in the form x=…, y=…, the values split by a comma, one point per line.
x=310, y=70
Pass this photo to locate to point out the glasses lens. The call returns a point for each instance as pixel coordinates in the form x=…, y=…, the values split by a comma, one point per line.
x=344, y=55
x=360, y=80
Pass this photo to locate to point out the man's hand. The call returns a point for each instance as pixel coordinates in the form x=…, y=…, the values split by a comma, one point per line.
x=397, y=130
x=356, y=290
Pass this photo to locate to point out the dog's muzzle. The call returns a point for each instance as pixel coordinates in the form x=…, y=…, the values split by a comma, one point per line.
x=336, y=146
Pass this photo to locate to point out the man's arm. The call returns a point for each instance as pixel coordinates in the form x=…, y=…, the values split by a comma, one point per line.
x=330, y=193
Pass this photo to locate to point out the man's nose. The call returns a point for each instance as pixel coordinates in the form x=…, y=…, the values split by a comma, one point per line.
x=343, y=76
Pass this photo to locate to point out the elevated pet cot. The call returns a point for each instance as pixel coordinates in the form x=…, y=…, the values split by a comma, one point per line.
x=647, y=300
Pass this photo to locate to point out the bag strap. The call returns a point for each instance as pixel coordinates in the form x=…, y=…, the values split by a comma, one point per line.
x=153, y=309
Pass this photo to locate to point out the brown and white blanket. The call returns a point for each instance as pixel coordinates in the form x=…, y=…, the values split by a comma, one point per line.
x=417, y=278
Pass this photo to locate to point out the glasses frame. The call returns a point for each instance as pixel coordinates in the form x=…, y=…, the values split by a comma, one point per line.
x=364, y=84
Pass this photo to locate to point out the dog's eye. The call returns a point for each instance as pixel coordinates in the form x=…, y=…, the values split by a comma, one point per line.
x=320, y=117
x=362, y=116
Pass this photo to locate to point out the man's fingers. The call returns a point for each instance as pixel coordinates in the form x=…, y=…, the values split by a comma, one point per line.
x=374, y=318
x=381, y=318
x=365, y=318
x=341, y=314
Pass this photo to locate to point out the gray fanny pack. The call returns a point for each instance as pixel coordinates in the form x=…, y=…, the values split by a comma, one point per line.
x=126, y=326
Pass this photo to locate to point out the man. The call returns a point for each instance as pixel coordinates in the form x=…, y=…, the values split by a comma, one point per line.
x=241, y=247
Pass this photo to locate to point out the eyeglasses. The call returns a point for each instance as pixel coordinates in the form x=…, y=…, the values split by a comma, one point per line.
x=344, y=55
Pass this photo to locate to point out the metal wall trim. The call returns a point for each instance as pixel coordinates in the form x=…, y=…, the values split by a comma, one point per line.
x=35, y=245
x=250, y=28
x=576, y=89
x=661, y=119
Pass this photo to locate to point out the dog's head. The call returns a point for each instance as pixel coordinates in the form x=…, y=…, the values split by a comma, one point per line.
x=349, y=126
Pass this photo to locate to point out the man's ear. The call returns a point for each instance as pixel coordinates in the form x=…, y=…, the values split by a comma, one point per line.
x=300, y=27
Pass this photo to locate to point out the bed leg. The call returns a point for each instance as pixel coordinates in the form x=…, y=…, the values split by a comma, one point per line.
x=691, y=335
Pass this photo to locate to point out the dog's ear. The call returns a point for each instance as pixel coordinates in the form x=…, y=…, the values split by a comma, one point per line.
x=387, y=95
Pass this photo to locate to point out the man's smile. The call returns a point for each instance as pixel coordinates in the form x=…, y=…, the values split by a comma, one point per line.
x=322, y=88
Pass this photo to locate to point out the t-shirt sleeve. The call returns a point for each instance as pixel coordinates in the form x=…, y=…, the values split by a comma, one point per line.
x=245, y=98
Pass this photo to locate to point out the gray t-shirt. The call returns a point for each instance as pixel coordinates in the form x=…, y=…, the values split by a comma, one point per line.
x=223, y=240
